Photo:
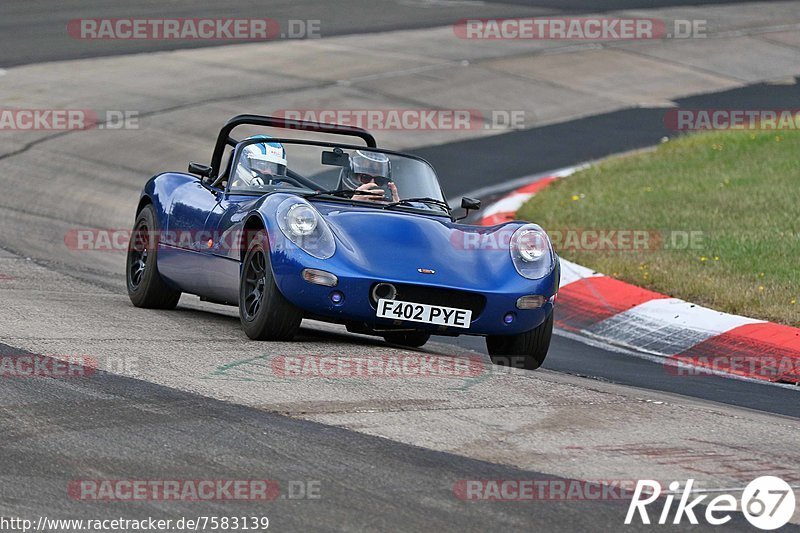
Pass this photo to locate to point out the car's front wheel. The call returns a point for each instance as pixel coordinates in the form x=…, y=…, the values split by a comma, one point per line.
x=266, y=315
x=529, y=348
x=146, y=288
x=410, y=339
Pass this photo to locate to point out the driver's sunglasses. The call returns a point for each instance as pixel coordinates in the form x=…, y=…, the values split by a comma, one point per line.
x=367, y=178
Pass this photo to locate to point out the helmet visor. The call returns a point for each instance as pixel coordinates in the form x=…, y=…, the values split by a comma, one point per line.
x=372, y=163
x=266, y=167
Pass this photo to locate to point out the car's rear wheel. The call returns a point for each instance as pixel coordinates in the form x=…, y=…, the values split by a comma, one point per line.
x=529, y=348
x=411, y=339
x=146, y=288
x=266, y=315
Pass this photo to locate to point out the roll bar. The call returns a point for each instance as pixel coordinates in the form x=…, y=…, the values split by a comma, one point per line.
x=224, y=138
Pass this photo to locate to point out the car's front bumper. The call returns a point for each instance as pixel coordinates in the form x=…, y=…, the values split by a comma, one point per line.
x=357, y=306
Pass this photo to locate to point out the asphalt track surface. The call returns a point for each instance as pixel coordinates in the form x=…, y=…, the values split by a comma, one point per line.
x=164, y=427
x=127, y=428
x=570, y=356
x=466, y=165
x=32, y=31
x=371, y=483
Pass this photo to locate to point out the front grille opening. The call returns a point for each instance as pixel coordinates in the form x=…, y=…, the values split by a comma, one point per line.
x=436, y=296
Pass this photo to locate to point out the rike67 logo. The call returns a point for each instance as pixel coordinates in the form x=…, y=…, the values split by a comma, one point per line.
x=768, y=502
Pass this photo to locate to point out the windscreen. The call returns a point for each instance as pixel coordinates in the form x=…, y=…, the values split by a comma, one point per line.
x=266, y=164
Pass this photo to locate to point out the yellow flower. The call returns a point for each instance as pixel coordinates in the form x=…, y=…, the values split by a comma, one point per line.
x=703, y=259
x=794, y=301
x=716, y=258
x=575, y=197
x=760, y=288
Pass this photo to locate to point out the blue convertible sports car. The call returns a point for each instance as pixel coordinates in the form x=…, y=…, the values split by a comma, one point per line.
x=292, y=228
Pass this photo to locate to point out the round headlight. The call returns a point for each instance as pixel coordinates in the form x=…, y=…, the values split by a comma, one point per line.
x=531, y=252
x=301, y=220
x=531, y=245
x=305, y=227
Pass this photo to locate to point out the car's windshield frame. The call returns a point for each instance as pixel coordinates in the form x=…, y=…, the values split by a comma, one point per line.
x=316, y=188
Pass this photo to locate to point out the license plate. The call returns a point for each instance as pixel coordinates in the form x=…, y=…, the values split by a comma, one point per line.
x=427, y=314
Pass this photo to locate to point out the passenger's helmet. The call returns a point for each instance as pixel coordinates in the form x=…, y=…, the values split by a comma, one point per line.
x=365, y=167
x=264, y=159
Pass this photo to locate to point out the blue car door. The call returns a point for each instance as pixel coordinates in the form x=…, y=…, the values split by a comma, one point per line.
x=223, y=228
x=183, y=256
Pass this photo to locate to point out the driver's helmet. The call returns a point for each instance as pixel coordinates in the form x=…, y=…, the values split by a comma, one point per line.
x=365, y=167
x=261, y=162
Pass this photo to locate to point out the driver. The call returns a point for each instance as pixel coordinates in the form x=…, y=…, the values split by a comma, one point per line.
x=370, y=171
x=260, y=163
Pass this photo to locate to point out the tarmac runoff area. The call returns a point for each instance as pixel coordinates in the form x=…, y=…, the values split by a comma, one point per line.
x=550, y=422
x=67, y=303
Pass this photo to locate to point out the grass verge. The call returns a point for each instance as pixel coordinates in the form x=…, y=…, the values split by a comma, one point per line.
x=712, y=218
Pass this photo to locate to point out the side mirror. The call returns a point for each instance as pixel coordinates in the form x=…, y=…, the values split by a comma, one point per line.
x=199, y=169
x=469, y=204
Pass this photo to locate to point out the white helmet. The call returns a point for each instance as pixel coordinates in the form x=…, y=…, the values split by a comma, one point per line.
x=266, y=158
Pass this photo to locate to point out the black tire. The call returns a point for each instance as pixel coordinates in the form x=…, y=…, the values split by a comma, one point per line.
x=529, y=348
x=411, y=339
x=146, y=288
x=266, y=315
